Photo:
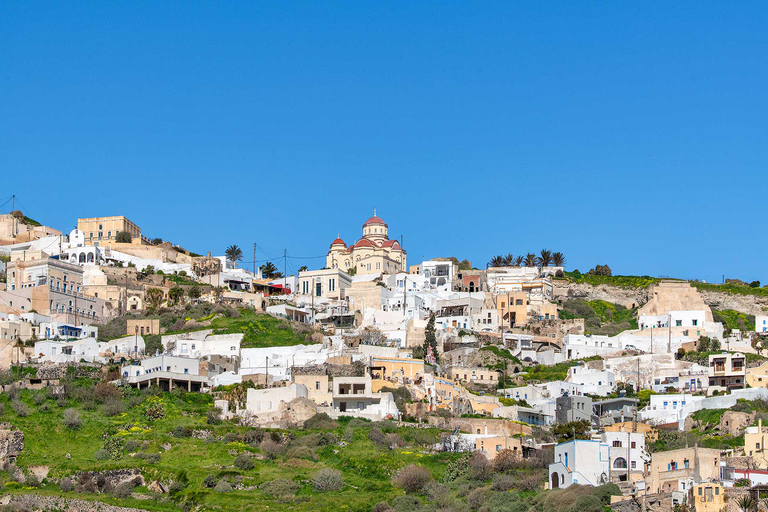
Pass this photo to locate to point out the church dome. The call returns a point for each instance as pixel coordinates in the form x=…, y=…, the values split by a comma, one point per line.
x=339, y=241
x=375, y=220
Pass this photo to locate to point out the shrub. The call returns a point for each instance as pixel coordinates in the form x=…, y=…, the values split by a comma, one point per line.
x=151, y=458
x=72, y=419
x=394, y=440
x=378, y=437
x=412, y=478
x=320, y=421
x=113, y=407
x=328, y=480
x=280, y=487
x=39, y=398
x=506, y=460
x=66, y=484
x=131, y=446
x=244, y=462
x=155, y=411
x=503, y=483
x=230, y=437
x=180, y=431
x=406, y=503
x=253, y=437
x=101, y=454
x=176, y=487
x=20, y=408
x=478, y=497
x=300, y=452
x=223, y=486
x=270, y=449
x=209, y=482
x=479, y=466
x=105, y=391
x=531, y=482
x=123, y=490
x=381, y=506
x=114, y=446
x=213, y=416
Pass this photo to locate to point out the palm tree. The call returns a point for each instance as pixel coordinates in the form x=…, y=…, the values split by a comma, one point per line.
x=518, y=262
x=234, y=254
x=545, y=257
x=496, y=261
x=154, y=296
x=745, y=503
x=269, y=269
x=530, y=260
x=509, y=259
x=558, y=260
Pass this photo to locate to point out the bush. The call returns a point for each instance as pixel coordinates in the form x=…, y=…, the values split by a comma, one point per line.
x=114, y=446
x=503, y=483
x=506, y=460
x=531, y=482
x=180, y=432
x=381, y=506
x=176, y=487
x=101, y=454
x=300, y=452
x=72, y=419
x=209, y=482
x=123, y=490
x=320, y=421
x=378, y=437
x=213, y=416
x=105, y=391
x=66, y=484
x=327, y=480
x=20, y=408
x=406, y=503
x=131, y=446
x=244, y=462
x=280, y=487
x=253, y=437
x=478, y=497
x=223, y=486
x=270, y=449
x=155, y=411
x=479, y=466
x=151, y=458
x=113, y=407
x=412, y=478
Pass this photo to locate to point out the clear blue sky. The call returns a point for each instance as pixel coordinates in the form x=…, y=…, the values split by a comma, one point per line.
x=632, y=134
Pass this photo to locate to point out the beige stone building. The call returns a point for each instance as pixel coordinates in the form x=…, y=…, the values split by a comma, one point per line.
x=105, y=229
x=476, y=375
x=754, y=444
x=318, y=389
x=707, y=497
x=143, y=326
x=677, y=470
x=49, y=286
x=13, y=230
x=374, y=253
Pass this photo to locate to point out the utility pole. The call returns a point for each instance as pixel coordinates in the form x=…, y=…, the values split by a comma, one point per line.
x=285, y=267
x=254, y=259
x=405, y=286
x=669, y=343
x=13, y=208
x=266, y=372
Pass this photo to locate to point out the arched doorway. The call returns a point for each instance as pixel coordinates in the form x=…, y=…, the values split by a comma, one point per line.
x=555, y=481
x=471, y=286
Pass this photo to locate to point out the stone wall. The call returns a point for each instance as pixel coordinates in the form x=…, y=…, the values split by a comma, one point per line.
x=38, y=502
x=11, y=442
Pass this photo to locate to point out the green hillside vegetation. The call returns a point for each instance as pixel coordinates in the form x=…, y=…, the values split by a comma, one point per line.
x=559, y=371
x=734, y=319
x=600, y=317
x=211, y=464
x=732, y=288
x=575, y=276
x=259, y=329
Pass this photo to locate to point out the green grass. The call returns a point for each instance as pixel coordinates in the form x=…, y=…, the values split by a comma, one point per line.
x=734, y=319
x=259, y=329
x=559, y=371
x=733, y=289
x=600, y=317
x=575, y=276
x=367, y=469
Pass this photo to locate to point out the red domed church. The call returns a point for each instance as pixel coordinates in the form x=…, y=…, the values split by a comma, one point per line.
x=375, y=253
